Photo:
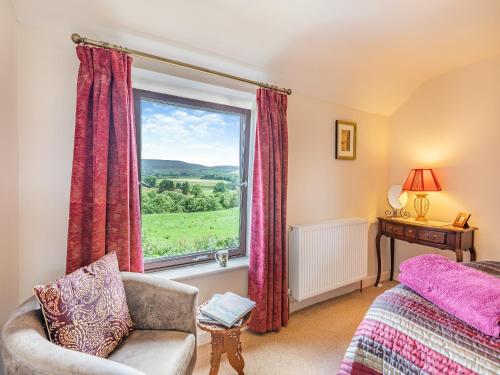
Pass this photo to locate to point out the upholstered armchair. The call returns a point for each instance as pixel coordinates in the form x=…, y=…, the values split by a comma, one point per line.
x=164, y=341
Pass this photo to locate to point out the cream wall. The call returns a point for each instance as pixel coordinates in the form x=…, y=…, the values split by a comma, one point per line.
x=452, y=124
x=47, y=68
x=9, y=282
x=8, y=163
x=319, y=187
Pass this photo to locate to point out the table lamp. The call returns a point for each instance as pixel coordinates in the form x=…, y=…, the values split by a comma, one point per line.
x=421, y=181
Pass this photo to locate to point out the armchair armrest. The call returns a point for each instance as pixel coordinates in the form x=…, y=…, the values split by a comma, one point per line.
x=157, y=303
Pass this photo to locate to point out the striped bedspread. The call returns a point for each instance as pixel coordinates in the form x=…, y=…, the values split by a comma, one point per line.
x=402, y=333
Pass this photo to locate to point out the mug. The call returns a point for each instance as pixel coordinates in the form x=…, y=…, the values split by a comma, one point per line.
x=222, y=257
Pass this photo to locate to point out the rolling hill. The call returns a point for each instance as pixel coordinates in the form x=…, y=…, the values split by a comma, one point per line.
x=175, y=168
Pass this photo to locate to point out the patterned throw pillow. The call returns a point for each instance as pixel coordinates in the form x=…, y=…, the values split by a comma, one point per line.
x=87, y=310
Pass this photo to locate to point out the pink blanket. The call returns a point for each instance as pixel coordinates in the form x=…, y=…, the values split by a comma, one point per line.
x=470, y=295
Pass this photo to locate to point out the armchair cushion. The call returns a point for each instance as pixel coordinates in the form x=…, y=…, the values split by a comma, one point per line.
x=87, y=310
x=156, y=352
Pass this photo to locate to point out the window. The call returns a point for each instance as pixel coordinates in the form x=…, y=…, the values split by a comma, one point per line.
x=193, y=169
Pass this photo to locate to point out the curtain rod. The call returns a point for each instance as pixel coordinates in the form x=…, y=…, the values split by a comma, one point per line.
x=77, y=39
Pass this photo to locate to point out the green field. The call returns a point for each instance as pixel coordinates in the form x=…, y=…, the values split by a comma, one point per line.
x=181, y=233
x=179, y=221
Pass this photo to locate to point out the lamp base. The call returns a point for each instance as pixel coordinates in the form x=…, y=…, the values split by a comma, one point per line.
x=422, y=219
x=421, y=205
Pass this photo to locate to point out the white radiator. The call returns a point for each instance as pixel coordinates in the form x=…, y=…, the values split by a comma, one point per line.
x=327, y=255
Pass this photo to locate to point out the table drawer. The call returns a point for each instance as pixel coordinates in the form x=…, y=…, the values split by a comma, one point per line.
x=432, y=236
x=411, y=232
x=394, y=229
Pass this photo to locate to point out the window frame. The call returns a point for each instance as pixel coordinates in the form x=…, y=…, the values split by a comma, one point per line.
x=245, y=114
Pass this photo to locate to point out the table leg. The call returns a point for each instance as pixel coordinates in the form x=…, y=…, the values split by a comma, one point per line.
x=217, y=350
x=234, y=351
x=460, y=255
x=379, y=262
x=472, y=254
x=472, y=250
x=392, y=258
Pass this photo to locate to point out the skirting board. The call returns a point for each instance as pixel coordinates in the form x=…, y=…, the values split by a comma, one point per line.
x=204, y=337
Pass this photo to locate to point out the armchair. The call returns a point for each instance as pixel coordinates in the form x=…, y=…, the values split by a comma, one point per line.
x=164, y=341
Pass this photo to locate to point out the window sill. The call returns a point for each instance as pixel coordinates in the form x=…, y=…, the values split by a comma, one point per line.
x=203, y=269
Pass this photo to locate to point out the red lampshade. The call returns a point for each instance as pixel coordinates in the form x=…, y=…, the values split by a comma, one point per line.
x=421, y=180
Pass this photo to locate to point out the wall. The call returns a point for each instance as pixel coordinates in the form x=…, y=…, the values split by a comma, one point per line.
x=8, y=163
x=320, y=187
x=9, y=283
x=452, y=124
x=47, y=85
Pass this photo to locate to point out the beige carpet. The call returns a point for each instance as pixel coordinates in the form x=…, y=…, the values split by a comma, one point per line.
x=313, y=343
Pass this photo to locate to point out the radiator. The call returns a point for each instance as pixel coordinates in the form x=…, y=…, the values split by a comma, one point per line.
x=326, y=256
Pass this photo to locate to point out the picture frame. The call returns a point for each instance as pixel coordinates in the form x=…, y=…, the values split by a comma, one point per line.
x=461, y=220
x=345, y=140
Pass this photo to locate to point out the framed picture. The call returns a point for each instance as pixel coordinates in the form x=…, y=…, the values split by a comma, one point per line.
x=461, y=220
x=345, y=140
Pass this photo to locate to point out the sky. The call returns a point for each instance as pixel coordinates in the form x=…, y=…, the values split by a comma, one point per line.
x=172, y=132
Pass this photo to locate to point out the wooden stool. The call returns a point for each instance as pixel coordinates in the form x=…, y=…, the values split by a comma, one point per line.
x=225, y=340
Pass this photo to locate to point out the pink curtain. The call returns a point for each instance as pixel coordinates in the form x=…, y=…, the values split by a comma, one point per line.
x=104, y=202
x=267, y=274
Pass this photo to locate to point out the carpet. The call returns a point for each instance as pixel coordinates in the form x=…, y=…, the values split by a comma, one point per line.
x=314, y=342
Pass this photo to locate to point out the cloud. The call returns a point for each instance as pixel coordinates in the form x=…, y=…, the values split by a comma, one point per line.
x=182, y=123
x=164, y=124
x=192, y=135
x=197, y=117
x=200, y=130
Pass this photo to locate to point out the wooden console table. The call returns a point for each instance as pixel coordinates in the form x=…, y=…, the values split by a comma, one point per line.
x=440, y=235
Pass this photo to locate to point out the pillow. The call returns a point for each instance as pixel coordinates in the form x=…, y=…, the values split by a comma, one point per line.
x=87, y=310
x=468, y=294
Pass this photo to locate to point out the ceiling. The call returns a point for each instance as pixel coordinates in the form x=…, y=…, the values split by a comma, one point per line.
x=370, y=55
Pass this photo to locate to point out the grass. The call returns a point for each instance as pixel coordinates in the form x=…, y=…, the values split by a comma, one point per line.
x=182, y=233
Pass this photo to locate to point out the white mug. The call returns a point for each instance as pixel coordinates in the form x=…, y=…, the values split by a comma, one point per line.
x=222, y=257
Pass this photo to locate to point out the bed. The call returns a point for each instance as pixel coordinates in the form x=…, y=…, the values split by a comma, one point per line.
x=403, y=333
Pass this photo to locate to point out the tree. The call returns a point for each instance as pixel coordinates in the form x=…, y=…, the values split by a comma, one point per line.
x=185, y=188
x=166, y=185
x=178, y=199
x=234, y=201
x=197, y=191
x=178, y=185
x=150, y=181
x=154, y=203
x=220, y=187
x=228, y=199
x=232, y=185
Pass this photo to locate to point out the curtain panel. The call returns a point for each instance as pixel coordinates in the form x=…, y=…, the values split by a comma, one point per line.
x=104, y=210
x=267, y=275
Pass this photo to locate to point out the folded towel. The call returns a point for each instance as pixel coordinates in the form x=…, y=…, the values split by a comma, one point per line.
x=470, y=295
